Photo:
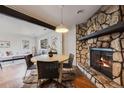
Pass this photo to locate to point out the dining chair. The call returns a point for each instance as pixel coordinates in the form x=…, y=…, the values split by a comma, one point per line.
x=30, y=65
x=70, y=62
x=68, y=67
x=0, y=65
x=48, y=71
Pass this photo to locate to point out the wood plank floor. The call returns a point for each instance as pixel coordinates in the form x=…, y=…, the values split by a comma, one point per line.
x=12, y=77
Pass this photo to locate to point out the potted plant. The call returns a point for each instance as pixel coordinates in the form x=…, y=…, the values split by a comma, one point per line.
x=50, y=53
x=52, y=47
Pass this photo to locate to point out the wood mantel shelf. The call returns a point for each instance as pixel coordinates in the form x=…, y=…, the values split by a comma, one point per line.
x=112, y=29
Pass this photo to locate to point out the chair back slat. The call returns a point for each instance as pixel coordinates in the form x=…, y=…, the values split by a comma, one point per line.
x=48, y=70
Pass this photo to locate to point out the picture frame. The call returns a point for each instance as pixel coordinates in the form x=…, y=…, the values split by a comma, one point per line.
x=44, y=44
x=25, y=44
x=4, y=44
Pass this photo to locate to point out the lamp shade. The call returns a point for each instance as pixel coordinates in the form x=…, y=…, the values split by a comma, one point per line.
x=61, y=29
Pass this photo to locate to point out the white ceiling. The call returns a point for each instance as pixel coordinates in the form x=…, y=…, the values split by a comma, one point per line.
x=51, y=13
x=46, y=13
x=13, y=26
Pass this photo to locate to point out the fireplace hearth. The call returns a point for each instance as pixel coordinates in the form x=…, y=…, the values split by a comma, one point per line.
x=101, y=60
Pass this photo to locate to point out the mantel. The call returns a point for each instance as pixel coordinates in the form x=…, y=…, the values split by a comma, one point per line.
x=112, y=29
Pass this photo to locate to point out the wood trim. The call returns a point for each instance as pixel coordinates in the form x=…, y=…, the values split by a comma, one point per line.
x=119, y=27
x=10, y=12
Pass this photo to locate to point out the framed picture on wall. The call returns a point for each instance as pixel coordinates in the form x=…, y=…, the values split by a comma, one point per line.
x=25, y=44
x=44, y=43
x=4, y=44
x=54, y=43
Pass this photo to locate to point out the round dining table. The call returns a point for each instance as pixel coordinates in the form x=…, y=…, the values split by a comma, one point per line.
x=60, y=58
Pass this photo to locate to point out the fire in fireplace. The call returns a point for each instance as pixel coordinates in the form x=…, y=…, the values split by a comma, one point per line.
x=101, y=60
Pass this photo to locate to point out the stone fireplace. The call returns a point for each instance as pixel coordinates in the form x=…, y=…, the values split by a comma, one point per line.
x=106, y=50
x=101, y=60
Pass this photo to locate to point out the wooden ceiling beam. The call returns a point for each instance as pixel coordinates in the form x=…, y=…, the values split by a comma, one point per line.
x=10, y=12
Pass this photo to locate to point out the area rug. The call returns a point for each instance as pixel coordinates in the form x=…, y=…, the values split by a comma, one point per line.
x=30, y=81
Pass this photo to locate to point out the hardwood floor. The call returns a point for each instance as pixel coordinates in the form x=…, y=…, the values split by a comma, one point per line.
x=12, y=77
x=81, y=81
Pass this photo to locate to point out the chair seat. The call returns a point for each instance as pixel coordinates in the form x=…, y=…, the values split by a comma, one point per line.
x=32, y=67
x=66, y=65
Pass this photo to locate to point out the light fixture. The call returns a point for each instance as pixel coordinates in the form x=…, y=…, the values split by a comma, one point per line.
x=80, y=11
x=61, y=28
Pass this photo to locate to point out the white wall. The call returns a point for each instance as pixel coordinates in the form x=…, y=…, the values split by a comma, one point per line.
x=14, y=30
x=16, y=26
x=49, y=36
x=16, y=43
x=70, y=42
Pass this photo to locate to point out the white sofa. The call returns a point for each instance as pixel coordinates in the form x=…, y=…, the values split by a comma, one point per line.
x=12, y=55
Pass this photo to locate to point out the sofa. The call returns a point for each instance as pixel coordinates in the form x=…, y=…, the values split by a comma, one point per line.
x=12, y=55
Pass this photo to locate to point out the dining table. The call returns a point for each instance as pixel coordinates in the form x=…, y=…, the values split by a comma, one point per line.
x=60, y=58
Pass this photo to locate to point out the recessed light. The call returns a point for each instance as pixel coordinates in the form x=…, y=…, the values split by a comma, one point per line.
x=80, y=11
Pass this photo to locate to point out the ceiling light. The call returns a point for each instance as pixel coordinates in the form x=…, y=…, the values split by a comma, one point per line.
x=80, y=11
x=61, y=28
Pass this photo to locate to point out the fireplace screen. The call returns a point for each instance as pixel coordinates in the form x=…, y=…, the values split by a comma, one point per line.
x=101, y=60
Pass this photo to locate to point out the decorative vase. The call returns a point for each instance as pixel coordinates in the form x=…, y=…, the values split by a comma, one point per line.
x=50, y=54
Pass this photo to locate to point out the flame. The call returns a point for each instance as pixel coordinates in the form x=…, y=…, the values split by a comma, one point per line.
x=104, y=62
x=102, y=59
x=105, y=65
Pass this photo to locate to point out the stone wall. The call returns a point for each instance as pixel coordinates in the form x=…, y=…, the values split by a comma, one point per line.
x=104, y=18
